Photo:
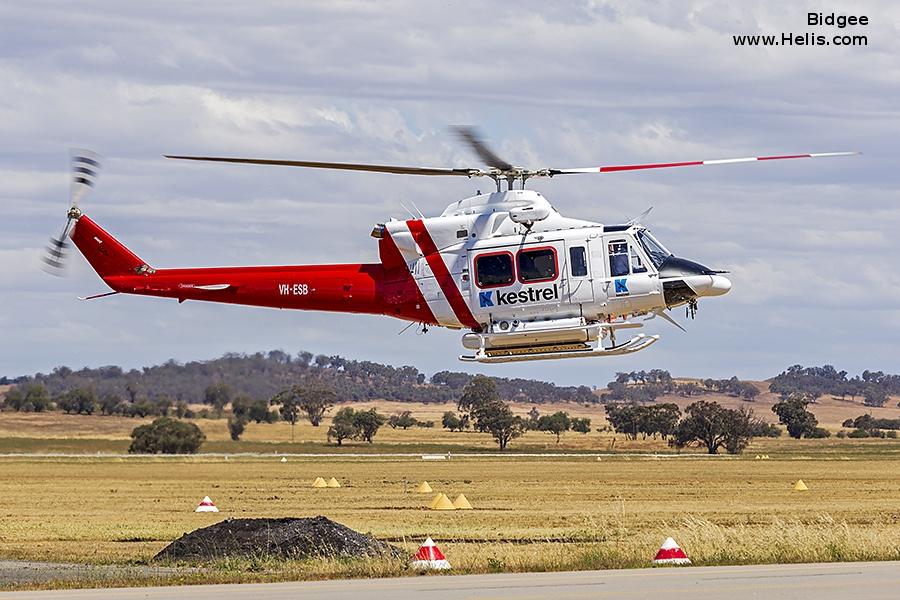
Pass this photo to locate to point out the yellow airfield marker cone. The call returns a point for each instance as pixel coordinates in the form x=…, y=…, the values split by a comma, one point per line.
x=319, y=483
x=434, y=500
x=443, y=503
x=758, y=457
x=800, y=486
x=424, y=488
x=765, y=457
x=333, y=483
x=462, y=503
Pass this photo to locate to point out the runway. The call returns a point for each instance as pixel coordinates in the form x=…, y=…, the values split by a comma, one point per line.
x=828, y=581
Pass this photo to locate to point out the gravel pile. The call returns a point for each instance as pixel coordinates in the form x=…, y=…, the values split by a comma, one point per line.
x=287, y=537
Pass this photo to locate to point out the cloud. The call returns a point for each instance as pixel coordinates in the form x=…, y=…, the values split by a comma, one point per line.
x=812, y=244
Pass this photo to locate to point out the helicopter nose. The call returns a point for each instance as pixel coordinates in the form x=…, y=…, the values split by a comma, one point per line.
x=709, y=285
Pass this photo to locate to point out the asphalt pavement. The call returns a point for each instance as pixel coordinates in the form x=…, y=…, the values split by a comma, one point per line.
x=827, y=581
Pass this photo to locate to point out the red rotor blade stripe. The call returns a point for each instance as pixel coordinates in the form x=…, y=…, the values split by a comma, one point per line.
x=693, y=163
x=649, y=166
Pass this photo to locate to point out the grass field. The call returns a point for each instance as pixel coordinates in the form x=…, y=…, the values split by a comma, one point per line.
x=531, y=514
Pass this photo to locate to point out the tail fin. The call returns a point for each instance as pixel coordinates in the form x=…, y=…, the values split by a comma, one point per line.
x=107, y=255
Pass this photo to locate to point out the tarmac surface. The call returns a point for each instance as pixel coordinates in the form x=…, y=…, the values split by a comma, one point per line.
x=826, y=581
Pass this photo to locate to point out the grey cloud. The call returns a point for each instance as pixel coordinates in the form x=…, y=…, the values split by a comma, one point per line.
x=562, y=85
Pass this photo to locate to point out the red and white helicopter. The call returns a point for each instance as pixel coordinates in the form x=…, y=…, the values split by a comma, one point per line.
x=526, y=282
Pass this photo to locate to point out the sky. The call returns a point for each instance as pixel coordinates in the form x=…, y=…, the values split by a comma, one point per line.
x=811, y=245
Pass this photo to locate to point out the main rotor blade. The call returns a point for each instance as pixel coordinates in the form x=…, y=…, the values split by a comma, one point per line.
x=340, y=166
x=692, y=163
x=470, y=136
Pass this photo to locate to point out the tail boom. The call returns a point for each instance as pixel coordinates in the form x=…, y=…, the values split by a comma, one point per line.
x=351, y=288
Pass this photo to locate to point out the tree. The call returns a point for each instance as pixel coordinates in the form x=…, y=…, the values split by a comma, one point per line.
x=479, y=391
x=33, y=397
x=288, y=401
x=249, y=409
x=111, y=404
x=403, y=420
x=236, y=426
x=582, y=425
x=740, y=428
x=79, y=401
x=496, y=418
x=182, y=410
x=875, y=396
x=792, y=414
x=662, y=420
x=634, y=419
x=489, y=414
x=166, y=436
x=713, y=426
x=557, y=423
x=533, y=416
x=315, y=400
x=367, y=423
x=343, y=426
x=452, y=421
x=217, y=395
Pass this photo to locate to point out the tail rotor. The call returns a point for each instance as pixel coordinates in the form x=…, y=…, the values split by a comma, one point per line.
x=85, y=169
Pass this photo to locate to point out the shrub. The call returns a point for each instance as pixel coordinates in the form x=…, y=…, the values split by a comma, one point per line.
x=403, y=420
x=166, y=436
x=858, y=434
x=818, y=433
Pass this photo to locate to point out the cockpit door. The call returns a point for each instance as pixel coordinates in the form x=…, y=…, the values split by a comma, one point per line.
x=632, y=284
x=578, y=272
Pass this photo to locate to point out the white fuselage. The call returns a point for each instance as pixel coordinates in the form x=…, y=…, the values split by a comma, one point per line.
x=582, y=281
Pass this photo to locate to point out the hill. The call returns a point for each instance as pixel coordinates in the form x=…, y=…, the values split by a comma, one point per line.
x=262, y=375
x=182, y=389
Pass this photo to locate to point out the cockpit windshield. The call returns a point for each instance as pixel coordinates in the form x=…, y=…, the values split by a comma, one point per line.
x=656, y=251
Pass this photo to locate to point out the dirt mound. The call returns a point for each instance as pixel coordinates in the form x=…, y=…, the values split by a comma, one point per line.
x=287, y=537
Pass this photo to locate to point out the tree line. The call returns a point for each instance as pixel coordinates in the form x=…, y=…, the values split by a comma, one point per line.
x=261, y=375
x=647, y=386
x=811, y=383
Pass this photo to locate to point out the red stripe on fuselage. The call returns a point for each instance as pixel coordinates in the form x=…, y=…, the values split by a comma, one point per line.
x=441, y=273
x=400, y=291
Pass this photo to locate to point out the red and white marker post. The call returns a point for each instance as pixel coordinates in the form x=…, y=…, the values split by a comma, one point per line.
x=671, y=553
x=206, y=505
x=430, y=557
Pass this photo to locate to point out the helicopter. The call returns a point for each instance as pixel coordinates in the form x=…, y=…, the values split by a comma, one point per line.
x=523, y=281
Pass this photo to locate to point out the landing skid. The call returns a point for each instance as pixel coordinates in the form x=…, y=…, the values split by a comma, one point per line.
x=558, y=351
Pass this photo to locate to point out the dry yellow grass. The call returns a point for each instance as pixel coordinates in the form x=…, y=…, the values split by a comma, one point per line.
x=529, y=514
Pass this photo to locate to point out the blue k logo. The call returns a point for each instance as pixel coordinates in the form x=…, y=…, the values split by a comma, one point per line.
x=484, y=299
x=621, y=286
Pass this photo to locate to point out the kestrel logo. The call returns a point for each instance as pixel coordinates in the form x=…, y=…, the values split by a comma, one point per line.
x=520, y=297
x=621, y=287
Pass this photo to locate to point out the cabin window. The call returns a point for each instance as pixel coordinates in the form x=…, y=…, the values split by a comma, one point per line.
x=618, y=259
x=492, y=270
x=578, y=261
x=536, y=265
